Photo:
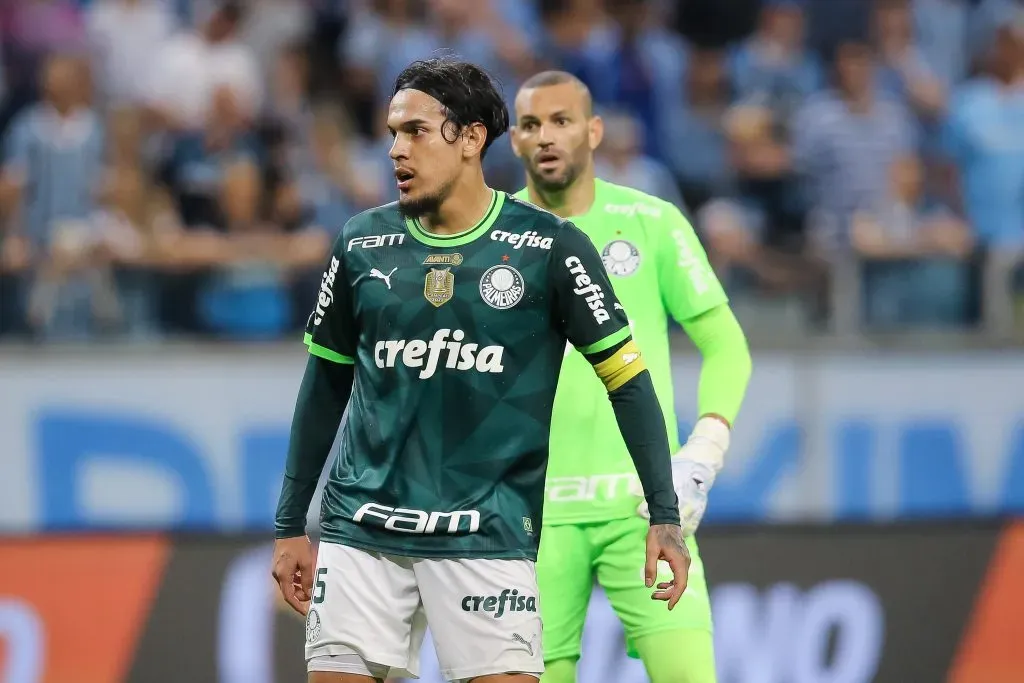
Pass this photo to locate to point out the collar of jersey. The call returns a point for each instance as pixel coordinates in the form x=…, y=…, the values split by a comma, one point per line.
x=600, y=188
x=423, y=235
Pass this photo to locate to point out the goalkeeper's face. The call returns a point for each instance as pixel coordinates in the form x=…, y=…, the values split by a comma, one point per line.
x=555, y=134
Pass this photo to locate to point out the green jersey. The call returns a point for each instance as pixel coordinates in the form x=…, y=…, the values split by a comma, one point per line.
x=457, y=344
x=658, y=268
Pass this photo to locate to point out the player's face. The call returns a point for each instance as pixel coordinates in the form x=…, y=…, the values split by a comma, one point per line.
x=426, y=164
x=554, y=136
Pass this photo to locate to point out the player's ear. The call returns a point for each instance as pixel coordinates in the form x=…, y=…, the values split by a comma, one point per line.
x=595, y=131
x=475, y=136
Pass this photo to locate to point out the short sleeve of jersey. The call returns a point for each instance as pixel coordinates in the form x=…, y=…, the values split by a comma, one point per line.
x=331, y=330
x=590, y=316
x=688, y=285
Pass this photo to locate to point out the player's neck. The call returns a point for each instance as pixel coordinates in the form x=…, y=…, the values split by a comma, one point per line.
x=464, y=208
x=574, y=200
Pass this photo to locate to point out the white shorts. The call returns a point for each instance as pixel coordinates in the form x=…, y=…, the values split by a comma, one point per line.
x=370, y=611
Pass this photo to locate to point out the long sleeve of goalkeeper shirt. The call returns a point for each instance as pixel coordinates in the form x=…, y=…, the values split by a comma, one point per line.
x=725, y=362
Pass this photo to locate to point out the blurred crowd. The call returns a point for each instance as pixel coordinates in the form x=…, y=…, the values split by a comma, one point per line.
x=181, y=167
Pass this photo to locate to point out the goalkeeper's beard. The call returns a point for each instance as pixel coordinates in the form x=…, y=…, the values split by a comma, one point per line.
x=559, y=183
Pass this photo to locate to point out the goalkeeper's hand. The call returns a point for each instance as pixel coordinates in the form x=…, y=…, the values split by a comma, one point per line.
x=694, y=469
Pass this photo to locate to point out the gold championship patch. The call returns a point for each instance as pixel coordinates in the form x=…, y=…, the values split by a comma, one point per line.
x=443, y=260
x=439, y=286
x=624, y=365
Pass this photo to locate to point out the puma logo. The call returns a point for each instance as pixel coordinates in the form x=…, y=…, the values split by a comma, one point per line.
x=381, y=276
x=528, y=644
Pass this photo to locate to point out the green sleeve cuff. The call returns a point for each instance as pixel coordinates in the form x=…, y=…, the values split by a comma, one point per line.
x=725, y=362
x=326, y=353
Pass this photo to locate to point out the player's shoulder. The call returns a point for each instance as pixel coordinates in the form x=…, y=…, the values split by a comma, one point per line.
x=376, y=227
x=519, y=207
x=385, y=216
x=629, y=202
x=519, y=216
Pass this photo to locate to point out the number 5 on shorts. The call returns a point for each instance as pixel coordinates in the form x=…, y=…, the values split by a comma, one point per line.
x=319, y=587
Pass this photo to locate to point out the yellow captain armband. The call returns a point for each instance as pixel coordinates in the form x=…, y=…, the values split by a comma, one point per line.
x=624, y=365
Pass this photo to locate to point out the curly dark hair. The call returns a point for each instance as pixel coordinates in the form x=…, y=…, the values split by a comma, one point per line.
x=467, y=93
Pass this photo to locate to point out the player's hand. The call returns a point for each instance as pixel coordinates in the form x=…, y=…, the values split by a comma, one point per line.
x=293, y=571
x=665, y=542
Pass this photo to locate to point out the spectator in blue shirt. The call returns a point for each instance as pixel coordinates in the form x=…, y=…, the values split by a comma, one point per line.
x=916, y=273
x=214, y=178
x=206, y=173
x=382, y=40
x=844, y=142
x=53, y=160
x=340, y=176
x=644, y=70
x=53, y=153
x=628, y=60
x=773, y=73
x=773, y=68
x=984, y=138
x=941, y=29
x=983, y=23
x=905, y=73
x=696, y=144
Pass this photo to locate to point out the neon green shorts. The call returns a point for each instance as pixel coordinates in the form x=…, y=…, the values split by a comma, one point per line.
x=571, y=555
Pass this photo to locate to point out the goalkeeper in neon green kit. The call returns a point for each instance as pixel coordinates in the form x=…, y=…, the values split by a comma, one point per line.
x=594, y=519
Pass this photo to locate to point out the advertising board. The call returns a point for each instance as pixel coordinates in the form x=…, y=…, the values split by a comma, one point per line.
x=853, y=604
x=195, y=438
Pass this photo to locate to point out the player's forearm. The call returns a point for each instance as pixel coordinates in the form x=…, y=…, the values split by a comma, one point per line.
x=642, y=426
x=725, y=362
x=323, y=395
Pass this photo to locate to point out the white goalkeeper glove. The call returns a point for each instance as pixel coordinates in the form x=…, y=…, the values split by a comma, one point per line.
x=694, y=468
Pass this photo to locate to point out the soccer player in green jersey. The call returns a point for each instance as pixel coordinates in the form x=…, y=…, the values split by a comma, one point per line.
x=593, y=524
x=441, y=323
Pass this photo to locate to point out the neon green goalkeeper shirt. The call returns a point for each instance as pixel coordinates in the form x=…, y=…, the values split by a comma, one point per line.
x=658, y=269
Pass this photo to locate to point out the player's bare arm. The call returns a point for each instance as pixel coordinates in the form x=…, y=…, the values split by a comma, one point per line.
x=323, y=395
